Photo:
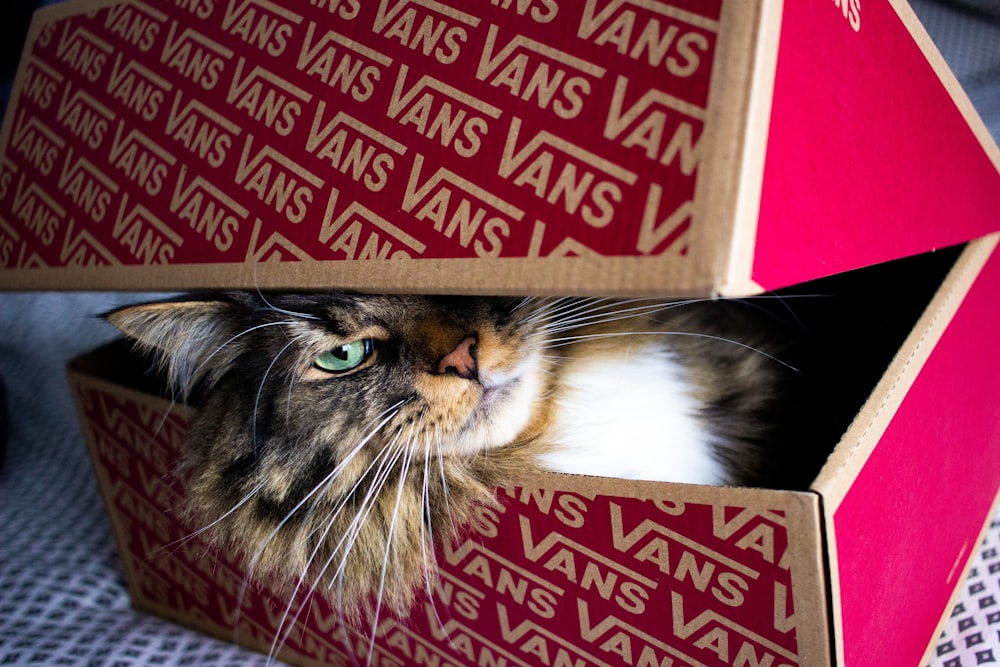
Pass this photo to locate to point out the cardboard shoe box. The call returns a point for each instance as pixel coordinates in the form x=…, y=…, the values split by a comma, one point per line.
x=594, y=147
x=856, y=570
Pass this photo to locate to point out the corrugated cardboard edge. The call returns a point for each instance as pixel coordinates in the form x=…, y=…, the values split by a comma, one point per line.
x=964, y=562
x=77, y=382
x=736, y=273
x=80, y=378
x=571, y=276
x=948, y=80
x=868, y=426
x=864, y=433
x=42, y=16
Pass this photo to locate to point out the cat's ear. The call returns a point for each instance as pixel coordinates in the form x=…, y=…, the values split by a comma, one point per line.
x=193, y=339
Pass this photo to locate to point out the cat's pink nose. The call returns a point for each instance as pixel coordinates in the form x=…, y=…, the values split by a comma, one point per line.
x=461, y=360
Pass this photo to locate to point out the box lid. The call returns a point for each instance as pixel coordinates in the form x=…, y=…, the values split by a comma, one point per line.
x=414, y=145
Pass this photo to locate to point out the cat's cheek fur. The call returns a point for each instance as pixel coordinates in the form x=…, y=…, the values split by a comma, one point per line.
x=613, y=417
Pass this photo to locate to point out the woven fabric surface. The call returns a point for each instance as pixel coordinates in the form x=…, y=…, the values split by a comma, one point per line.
x=63, y=600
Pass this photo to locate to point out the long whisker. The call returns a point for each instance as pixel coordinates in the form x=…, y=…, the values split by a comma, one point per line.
x=260, y=391
x=385, y=416
x=181, y=382
x=569, y=340
x=427, y=521
x=284, y=631
x=344, y=545
x=427, y=542
x=596, y=311
x=274, y=308
x=525, y=302
x=379, y=475
x=291, y=387
x=444, y=478
x=407, y=456
x=192, y=535
x=388, y=414
x=564, y=307
x=187, y=386
x=390, y=457
x=614, y=313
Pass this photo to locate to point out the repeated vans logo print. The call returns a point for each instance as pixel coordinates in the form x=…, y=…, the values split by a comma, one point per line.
x=266, y=98
x=545, y=577
x=460, y=209
x=207, y=210
x=194, y=56
x=36, y=143
x=522, y=68
x=208, y=135
x=263, y=24
x=565, y=175
x=337, y=130
x=354, y=148
x=84, y=116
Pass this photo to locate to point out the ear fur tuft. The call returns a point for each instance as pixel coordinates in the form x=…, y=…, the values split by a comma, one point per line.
x=192, y=340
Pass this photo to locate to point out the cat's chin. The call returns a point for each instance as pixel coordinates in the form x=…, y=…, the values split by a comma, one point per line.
x=504, y=411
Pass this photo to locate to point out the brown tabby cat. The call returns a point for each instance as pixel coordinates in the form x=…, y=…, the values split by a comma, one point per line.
x=341, y=436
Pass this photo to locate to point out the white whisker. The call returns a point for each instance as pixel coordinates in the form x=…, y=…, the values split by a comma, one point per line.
x=284, y=631
x=407, y=455
x=569, y=340
x=260, y=391
x=388, y=414
x=427, y=522
x=389, y=457
x=560, y=308
x=276, y=309
x=193, y=376
x=444, y=479
x=292, y=380
x=613, y=313
x=192, y=535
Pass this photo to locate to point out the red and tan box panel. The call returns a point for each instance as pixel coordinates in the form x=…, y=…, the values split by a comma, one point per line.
x=590, y=147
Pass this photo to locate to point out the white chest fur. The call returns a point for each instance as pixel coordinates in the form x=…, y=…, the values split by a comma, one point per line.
x=631, y=417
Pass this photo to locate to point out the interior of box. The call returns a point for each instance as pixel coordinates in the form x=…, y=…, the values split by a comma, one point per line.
x=847, y=329
x=844, y=331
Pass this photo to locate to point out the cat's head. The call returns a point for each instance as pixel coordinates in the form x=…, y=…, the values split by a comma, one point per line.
x=447, y=367
x=335, y=424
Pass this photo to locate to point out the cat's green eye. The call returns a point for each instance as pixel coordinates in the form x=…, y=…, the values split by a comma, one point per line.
x=346, y=357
